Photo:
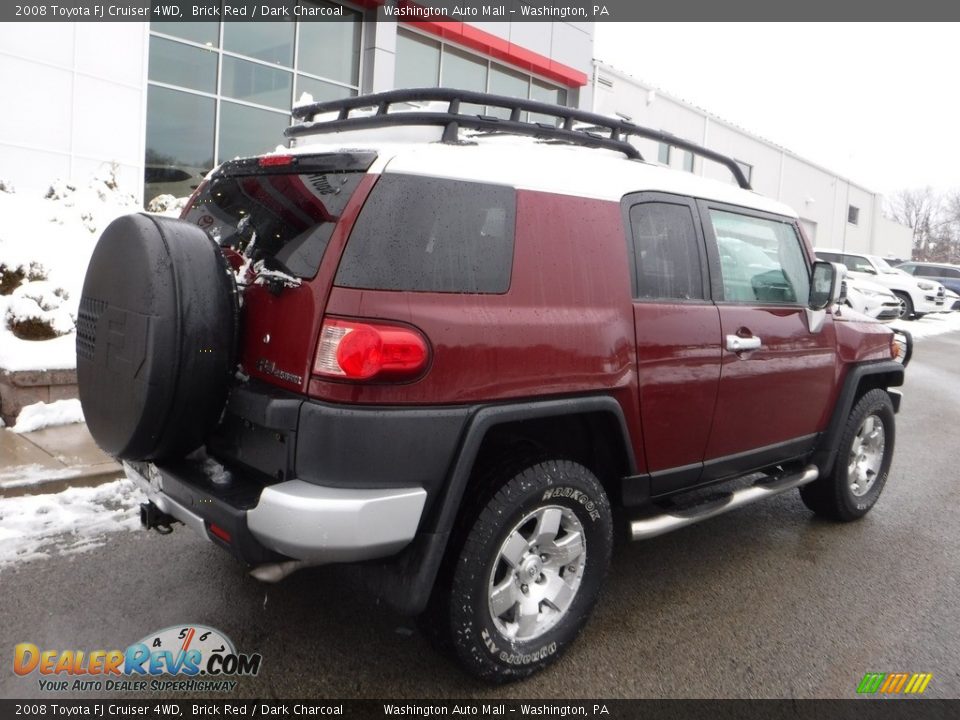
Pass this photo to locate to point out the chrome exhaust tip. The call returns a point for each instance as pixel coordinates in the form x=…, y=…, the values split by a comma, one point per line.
x=275, y=572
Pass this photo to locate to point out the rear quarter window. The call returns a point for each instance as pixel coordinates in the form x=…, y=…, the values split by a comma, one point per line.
x=425, y=234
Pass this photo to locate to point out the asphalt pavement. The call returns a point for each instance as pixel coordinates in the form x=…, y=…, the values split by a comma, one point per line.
x=767, y=601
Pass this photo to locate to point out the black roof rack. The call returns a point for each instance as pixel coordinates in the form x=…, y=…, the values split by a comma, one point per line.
x=602, y=131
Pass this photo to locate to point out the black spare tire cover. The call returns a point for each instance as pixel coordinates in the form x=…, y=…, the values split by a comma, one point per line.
x=156, y=337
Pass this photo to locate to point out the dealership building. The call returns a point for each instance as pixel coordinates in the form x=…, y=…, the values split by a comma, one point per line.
x=165, y=101
x=834, y=211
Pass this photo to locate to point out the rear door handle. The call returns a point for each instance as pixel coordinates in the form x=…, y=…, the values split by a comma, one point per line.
x=735, y=343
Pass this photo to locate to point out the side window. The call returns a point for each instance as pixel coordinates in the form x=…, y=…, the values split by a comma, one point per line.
x=950, y=273
x=908, y=268
x=424, y=234
x=666, y=247
x=856, y=263
x=761, y=261
x=930, y=271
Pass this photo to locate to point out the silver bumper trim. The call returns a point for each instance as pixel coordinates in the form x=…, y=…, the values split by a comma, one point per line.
x=322, y=524
x=313, y=523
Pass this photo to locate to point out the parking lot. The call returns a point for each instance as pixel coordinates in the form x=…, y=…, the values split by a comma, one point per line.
x=764, y=602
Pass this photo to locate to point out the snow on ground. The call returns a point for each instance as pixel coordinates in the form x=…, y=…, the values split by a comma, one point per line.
x=41, y=415
x=929, y=325
x=16, y=354
x=24, y=475
x=75, y=520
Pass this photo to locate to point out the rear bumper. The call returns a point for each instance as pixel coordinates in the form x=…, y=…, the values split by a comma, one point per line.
x=309, y=481
x=323, y=525
x=288, y=520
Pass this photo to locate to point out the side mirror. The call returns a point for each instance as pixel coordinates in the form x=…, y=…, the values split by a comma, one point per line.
x=825, y=284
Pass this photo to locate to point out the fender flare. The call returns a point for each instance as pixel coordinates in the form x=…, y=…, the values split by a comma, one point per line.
x=406, y=581
x=488, y=417
x=826, y=454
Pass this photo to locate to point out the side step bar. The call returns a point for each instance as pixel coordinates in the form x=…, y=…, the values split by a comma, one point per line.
x=667, y=522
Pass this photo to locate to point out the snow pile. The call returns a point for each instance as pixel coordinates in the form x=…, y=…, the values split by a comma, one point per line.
x=37, y=310
x=930, y=325
x=265, y=276
x=51, y=237
x=74, y=520
x=167, y=205
x=215, y=472
x=305, y=99
x=16, y=354
x=41, y=415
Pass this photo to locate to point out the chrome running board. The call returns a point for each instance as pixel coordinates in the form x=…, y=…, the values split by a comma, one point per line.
x=666, y=522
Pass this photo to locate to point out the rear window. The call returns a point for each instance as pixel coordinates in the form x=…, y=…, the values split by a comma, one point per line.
x=279, y=214
x=426, y=234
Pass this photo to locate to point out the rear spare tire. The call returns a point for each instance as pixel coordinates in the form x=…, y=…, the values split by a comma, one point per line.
x=156, y=335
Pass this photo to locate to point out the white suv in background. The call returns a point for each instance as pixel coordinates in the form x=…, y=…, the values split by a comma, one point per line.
x=917, y=296
x=871, y=299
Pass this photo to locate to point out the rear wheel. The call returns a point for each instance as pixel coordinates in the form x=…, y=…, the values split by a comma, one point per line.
x=528, y=572
x=862, y=463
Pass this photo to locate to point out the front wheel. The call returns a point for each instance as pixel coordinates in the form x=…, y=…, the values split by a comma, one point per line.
x=906, y=306
x=863, y=461
x=530, y=570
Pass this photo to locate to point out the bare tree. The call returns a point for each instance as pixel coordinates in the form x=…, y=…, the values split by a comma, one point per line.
x=951, y=213
x=917, y=209
x=934, y=219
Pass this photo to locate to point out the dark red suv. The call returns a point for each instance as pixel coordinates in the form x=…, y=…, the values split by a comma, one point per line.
x=452, y=347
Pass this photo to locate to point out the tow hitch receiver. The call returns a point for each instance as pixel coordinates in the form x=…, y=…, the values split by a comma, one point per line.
x=153, y=518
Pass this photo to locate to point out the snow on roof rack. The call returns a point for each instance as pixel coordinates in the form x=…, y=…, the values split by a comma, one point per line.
x=603, y=132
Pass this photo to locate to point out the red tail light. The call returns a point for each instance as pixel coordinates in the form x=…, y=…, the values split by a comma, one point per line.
x=366, y=351
x=275, y=160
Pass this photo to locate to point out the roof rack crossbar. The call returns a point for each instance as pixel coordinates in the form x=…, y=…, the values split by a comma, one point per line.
x=613, y=133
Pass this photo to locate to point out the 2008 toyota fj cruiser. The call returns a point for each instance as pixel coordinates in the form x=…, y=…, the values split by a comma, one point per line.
x=454, y=359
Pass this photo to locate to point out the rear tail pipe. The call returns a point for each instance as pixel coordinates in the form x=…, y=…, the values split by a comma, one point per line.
x=153, y=518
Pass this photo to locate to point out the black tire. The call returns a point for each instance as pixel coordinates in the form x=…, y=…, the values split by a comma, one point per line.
x=540, y=492
x=156, y=337
x=906, y=305
x=833, y=496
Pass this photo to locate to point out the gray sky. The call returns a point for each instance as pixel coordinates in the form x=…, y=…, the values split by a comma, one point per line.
x=878, y=103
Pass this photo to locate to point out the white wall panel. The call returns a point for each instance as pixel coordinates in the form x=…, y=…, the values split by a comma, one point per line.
x=75, y=93
x=107, y=121
x=111, y=50
x=37, y=104
x=51, y=42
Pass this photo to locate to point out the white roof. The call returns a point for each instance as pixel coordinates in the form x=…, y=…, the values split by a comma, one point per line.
x=529, y=164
